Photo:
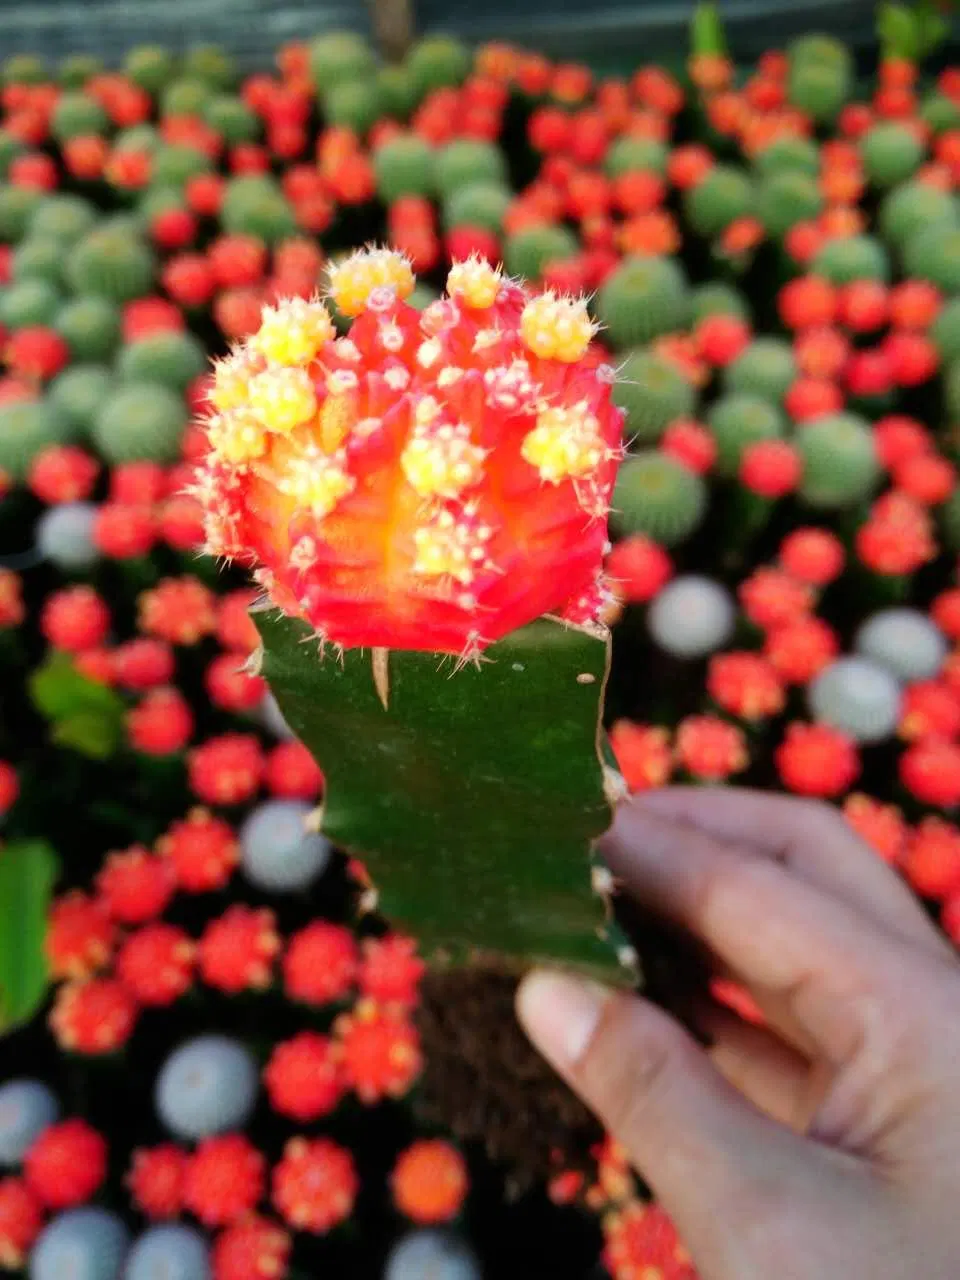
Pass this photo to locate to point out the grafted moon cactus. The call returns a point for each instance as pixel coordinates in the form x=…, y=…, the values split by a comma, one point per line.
x=424, y=505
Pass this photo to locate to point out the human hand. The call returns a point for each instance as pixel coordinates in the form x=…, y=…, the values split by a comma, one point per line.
x=826, y=1144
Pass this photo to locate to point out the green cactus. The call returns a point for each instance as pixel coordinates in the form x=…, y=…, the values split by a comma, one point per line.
x=945, y=331
x=821, y=49
x=404, y=167
x=628, y=155
x=840, y=466
x=32, y=302
x=481, y=204
x=438, y=61
x=820, y=77
x=254, y=205
x=23, y=68
x=738, y=420
x=818, y=89
x=658, y=496
x=354, y=103
x=526, y=253
x=38, y=258
x=232, y=119
x=725, y=194
x=940, y=113
x=852, y=258
x=139, y=137
x=171, y=359
x=211, y=64
x=949, y=515
x=934, y=254
x=338, y=58
x=786, y=198
x=77, y=68
x=62, y=217
x=150, y=66
x=110, y=262
x=174, y=164
x=398, y=93
x=951, y=390
x=140, y=421
x=158, y=200
x=789, y=155
x=642, y=299
x=17, y=207
x=891, y=153
x=766, y=368
x=27, y=427
x=417, y=787
x=718, y=299
x=185, y=97
x=914, y=206
x=466, y=161
x=654, y=393
x=10, y=148
x=78, y=393
x=91, y=328
x=77, y=114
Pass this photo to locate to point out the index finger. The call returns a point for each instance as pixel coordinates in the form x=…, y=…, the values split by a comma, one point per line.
x=811, y=839
x=831, y=966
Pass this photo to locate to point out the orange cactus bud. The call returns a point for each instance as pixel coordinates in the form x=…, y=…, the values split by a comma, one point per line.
x=431, y=480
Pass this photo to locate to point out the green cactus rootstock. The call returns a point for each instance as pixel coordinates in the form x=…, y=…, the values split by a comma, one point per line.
x=473, y=795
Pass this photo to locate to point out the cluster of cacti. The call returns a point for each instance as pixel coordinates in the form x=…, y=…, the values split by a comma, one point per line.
x=627, y=454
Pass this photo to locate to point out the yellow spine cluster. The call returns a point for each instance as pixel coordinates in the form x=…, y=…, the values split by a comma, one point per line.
x=293, y=332
x=474, y=282
x=315, y=480
x=450, y=548
x=231, y=378
x=283, y=399
x=557, y=328
x=237, y=436
x=564, y=443
x=354, y=278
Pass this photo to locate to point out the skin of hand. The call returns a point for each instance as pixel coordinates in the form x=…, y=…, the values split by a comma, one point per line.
x=827, y=1143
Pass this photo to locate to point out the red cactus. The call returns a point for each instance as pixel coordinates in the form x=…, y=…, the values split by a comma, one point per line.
x=315, y=1184
x=429, y=1181
x=430, y=482
x=66, y=1164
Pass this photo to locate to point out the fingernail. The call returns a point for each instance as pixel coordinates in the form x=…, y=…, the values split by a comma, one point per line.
x=560, y=1014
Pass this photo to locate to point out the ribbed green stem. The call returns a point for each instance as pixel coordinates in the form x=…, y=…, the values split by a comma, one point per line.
x=473, y=794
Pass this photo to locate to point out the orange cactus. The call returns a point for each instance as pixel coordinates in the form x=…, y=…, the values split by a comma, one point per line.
x=432, y=481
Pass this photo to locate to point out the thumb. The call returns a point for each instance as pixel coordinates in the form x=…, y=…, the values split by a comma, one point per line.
x=707, y=1154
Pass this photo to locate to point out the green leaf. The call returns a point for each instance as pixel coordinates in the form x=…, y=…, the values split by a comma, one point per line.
x=707, y=36
x=90, y=735
x=898, y=31
x=932, y=28
x=28, y=870
x=474, y=796
x=86, y=716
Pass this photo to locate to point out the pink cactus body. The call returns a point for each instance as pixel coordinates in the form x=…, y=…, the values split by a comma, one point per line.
x=431, y=481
